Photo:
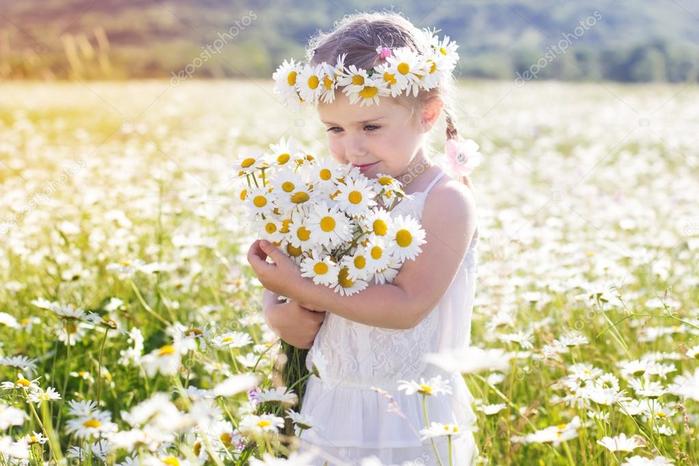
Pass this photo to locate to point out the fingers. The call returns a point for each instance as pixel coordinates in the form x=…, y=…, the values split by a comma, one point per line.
x=272, y=251
x=256, y=258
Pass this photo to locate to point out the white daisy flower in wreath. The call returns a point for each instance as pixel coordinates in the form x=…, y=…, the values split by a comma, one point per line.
x=323, y=270
x=445, y=50
x=328, y=83
x=328, y=225
x=410, y=67
x=361, y=88
x=356, y=196
x=357, y=265
x=285, y=78
x=346, y=286
x=406, y=237
x=260, y=201
x=387, y=72
x=310, y=83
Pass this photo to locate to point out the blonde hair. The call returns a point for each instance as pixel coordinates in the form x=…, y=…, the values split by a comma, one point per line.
x=358, y=35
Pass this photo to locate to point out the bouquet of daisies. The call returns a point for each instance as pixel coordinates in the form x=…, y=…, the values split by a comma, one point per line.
x=336, y=224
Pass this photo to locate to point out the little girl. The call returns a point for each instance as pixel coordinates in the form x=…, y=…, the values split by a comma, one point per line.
x=369, y=347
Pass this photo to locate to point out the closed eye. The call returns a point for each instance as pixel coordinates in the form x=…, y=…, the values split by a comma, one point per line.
x=337, y=129
x=334, y=129
x=371, y=127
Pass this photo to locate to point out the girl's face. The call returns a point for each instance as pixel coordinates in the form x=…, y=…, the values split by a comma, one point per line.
x=386, y=136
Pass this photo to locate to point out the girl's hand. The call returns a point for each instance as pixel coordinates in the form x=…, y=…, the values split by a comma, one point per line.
x=282, y=277
x=293, y=323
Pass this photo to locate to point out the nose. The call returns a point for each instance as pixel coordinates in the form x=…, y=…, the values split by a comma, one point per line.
x=355, y=149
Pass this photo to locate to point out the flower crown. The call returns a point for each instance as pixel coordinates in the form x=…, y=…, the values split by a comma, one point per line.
x=402, y=70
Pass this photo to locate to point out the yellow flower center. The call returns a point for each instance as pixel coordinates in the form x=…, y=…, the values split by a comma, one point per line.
x=404, y=68
x=390, y=78
x=442, y=50
x=283, y=158
x=358, y=80
x=380, y=228
x=171, y=461
x=376, y=252
x=271, y=227
x=360, y=262
x=288, y=186
x=325, y=174
x=247, y=163
x=368, y=92
x=226, y=438
x=92, y=422
x=321, y=268
x=166, y=350
x=228, y=339
x=433, y=67
x=259, y=201
x=291, y=78
x=300, y=197
x=327, y=224
x=385, y=180
x=23, y=382
x=404, y=238
x=293, y=251
x=343, y=278
x=313, y=82
x=285, y=225
x=303, y=234
x=263, y=423
x=425, y=389
x=355, y=197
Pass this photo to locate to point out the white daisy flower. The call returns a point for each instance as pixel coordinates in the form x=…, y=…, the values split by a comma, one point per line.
x=283, y=153
x=438, y=429
x=235, y=384
x=40, y=395
x=260, y=201
x=388, y=273
x=492, y=409
x=356, y=196
x=406, y=237
x=361, y=88
x=322, y=270
x=11, y=416
x=309, y=83
x=256, y=425
x=641, y=461
x=357, y=265
x=346, y=286
x=92, y=424
x=410, y=67
x=285, y=78
x=328, y=83
x=249, y=163
x=377, y=253
x=378, y=222
x=622, y=442
x=434, y=386
x=328, y=225
x=165, y=360
x=232, y=340
x=388, y=72
x=277, y=394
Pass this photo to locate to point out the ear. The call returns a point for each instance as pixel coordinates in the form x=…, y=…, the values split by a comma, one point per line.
x=430, y=112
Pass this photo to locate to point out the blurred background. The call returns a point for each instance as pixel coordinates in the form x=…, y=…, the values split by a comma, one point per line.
x=631, y=41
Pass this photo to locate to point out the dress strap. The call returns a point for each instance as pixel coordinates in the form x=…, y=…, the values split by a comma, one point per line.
x=434, y=181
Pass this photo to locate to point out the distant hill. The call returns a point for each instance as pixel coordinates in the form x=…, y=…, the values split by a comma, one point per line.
x=641, y=40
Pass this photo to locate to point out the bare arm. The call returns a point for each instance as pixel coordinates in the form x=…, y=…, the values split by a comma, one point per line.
x=448, y=220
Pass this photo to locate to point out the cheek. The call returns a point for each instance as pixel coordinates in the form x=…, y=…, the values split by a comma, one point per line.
x=336, y=149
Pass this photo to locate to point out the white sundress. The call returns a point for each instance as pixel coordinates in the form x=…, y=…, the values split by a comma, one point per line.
x=351, y=420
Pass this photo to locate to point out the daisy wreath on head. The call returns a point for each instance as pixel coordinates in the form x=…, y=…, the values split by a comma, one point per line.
x=400, y=71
